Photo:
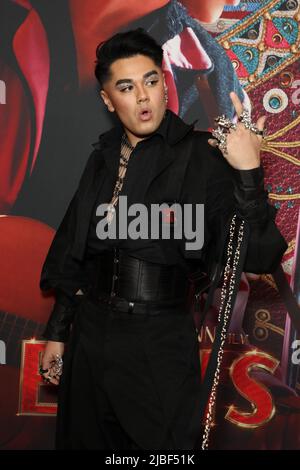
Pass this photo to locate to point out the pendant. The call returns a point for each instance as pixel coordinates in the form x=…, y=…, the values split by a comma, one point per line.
x=110, y=213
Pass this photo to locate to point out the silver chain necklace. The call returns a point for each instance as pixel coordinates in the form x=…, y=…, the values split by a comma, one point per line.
x=126, y=151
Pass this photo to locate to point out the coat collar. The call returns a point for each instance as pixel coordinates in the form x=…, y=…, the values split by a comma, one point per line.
x=172, y=128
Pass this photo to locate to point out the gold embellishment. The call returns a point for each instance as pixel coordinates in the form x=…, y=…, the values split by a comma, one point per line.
x=263, y=15
x=268, y=279
x=262, y=325
x=283, y=197
x=283, y=149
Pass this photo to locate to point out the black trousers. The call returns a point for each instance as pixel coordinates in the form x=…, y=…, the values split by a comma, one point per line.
x=129, y=381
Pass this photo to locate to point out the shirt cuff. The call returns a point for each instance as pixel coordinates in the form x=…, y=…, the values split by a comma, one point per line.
x=249, y=178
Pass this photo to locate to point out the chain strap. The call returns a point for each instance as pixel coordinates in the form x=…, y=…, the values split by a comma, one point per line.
x=226, y=316
x=126, y=151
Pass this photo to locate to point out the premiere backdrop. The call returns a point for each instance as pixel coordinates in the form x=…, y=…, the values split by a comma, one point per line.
x=51, y=113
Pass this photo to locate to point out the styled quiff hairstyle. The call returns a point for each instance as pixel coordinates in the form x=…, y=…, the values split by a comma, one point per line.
x=124, y=45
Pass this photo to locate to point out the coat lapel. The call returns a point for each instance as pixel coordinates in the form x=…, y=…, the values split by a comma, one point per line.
x=110, y=151
x=86, y=199
x=104, y=165
x=173, y=131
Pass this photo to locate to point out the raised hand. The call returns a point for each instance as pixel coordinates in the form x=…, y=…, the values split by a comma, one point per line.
x=243, y=145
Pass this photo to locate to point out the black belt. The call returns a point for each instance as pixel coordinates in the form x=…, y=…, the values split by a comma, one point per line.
x=133, y=285
x=145, y=308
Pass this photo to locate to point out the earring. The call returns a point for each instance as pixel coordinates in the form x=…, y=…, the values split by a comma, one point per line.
x=166, y=95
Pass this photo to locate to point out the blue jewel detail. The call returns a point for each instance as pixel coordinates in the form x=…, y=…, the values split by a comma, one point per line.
x=275, y=102
x=294, y=113
x=287, y=27
x=249, y=56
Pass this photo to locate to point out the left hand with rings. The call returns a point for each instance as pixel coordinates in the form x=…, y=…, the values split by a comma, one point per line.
x=51, y=367
x=239, y=143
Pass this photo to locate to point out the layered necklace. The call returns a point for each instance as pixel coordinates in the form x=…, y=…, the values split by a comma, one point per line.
x=126, y=151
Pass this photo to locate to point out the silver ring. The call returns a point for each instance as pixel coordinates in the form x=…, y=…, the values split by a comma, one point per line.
x=261, y=133
x=221, y=138
x=245, y=119
x=57, y=366
x=224, y=122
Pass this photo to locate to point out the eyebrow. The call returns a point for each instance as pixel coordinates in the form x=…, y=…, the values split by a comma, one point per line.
x=129, y=80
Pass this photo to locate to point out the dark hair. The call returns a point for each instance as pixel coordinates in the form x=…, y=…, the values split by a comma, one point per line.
x=124, y=45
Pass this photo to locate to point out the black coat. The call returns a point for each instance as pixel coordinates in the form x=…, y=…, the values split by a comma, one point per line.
x=190, y=171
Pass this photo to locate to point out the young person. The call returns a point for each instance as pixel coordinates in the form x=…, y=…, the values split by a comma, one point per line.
x=125, y=353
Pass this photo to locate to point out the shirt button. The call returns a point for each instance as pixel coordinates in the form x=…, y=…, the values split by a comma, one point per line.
x=115, y=277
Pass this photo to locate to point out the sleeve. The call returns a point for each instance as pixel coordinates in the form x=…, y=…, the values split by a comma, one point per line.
x=229, y=190
x=63, y=273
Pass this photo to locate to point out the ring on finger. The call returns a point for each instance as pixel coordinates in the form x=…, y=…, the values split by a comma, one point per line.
x=58, y=365
x=42, y=371
x=223, y=147
x=221, y=138
x=245, y=119
x=225, y=123
x=262, y=132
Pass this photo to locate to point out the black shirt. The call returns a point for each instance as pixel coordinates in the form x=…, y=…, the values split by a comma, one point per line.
x=141, y=163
